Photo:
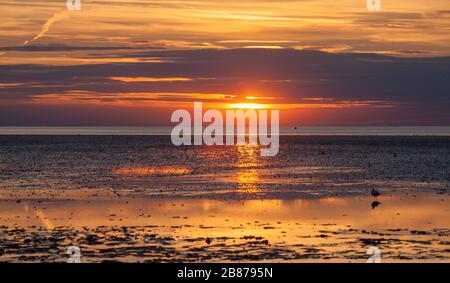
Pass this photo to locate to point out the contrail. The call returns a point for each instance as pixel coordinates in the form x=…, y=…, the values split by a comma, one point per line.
x=56, y=17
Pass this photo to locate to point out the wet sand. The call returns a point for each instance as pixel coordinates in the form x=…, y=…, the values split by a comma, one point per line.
x=407, y=228
x=140, y=199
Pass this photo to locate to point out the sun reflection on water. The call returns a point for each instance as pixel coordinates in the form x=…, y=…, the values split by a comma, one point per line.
x=247, y=177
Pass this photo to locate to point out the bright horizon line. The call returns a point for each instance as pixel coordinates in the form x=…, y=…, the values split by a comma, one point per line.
x=362, y=131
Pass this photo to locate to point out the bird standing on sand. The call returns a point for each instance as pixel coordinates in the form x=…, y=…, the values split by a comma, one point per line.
x=375, y=193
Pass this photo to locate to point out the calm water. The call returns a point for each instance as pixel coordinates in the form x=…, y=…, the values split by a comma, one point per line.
x=391, y=131
x=306, y=166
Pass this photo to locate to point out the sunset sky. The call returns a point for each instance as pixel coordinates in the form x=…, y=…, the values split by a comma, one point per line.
x=131, y=63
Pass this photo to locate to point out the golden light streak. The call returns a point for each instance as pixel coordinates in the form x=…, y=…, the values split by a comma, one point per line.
x=264, y=47
x=4, y=85
x=149, y=79
x=260, y=97
x=247, y=179
x=44, y=219
x=142, y=171
x=86, y=97
x=248, y=106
